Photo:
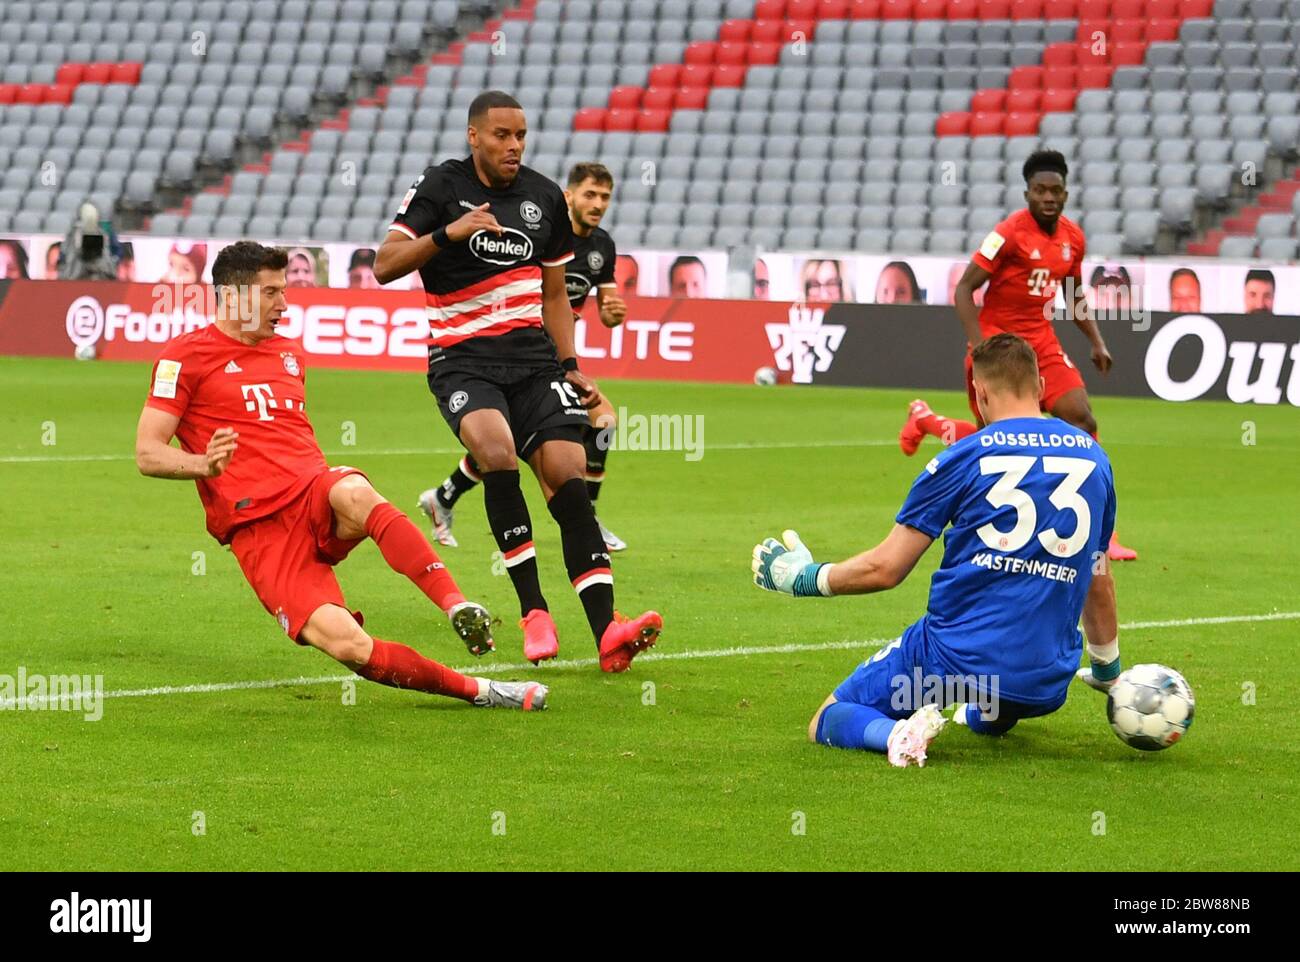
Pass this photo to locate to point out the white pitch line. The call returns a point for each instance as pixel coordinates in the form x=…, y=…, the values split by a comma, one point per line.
x=650, y=656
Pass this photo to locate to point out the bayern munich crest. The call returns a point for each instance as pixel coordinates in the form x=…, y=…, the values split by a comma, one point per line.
x=291, y=364
x=1065, y=250
x=530, y=212
x=595, y=260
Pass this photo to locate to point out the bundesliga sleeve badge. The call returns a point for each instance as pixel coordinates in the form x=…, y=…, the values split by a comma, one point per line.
x=166, y=378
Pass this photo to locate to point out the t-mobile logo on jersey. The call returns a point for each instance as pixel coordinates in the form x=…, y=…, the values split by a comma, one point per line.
x=259, y=397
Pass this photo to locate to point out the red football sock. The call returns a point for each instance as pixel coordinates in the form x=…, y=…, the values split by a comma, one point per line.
x=947, y=430
x=398, y=666
x=407, y=552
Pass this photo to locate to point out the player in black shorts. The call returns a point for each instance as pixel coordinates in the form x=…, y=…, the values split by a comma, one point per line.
x=590, y=188
x=491, y=238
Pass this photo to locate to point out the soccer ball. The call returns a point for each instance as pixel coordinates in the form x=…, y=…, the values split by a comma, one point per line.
x=1150, y=707
x=85, y=352
x=765, y=376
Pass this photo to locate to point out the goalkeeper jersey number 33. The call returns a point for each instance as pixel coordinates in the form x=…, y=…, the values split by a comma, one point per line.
x=1029, y=505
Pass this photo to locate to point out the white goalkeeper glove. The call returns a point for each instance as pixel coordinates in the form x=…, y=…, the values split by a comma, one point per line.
x=790, y=568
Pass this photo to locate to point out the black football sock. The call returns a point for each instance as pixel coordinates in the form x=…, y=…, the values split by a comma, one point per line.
x=597, y=452
x=585, y=555
x=508, y=515
x=458, y=482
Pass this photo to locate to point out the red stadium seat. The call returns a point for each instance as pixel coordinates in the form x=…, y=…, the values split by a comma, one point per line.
x=963, y=9
x=930, y=9
x=69, y=73
x=701, y=52
x=732, y=51
x=696, y=75
x=1059, y=10
x=1092, y=78
x=795, y=27
x=665, y=75
x=126, y=73
x=1128, y=9
x=995, y=9
x=764, y=53
x=1089, y=53
x=653, y=121
x=986, y=124
x=1027, y=10
x=31, y=94
x=625, y=98
x=691, y=98
x=59, y=93
x=729, y=75
x=954, y=124
x=1032, y=77
x=621, y=119
x=1059, y=55
x=8, y=93
x=896, y=10
x=1128, y=30
x=659, y=98
x=801, y=9
x=1054, y=77
x=993, y=100
x=589, y=118
x=735, y=31
x=1059, y=101
x=768, y=31
x=1128, y=54
x=833, y=9
x=1161, y=31
x=1194, y=9
x=1023, y=101
x=1022, y=124
x=769, y=10
x=1089, y=31
x=96, y=73
x=1162, y=9
x=864, y=9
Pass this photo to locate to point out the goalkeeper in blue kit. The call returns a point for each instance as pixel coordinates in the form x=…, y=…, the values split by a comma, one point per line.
x=1029, y=505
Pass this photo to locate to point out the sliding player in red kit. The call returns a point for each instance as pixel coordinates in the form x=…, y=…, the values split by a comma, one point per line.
x=234, y=394
x=1025, y=259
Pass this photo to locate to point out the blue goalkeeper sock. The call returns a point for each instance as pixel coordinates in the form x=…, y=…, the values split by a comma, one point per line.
x=845, y=725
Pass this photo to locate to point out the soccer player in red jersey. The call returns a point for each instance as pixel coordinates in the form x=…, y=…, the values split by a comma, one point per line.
x=234, y=394
x=1024, y=260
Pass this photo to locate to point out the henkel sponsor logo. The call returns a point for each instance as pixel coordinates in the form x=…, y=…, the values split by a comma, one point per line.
x=507, y=249
x=1244, y=386
x=805, y=344
x=672, y=341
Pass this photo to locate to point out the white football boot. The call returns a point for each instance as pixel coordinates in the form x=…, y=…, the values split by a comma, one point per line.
x=439, y=516
x=912, y=736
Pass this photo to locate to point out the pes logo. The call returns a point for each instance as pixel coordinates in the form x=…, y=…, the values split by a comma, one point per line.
x=507, y=249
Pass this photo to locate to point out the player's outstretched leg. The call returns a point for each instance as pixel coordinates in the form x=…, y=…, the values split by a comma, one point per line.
x=1074, y=408
x=334, y=631
x=360, y=511
x=559, y=467
x=904, y=742
x=596, y=441
x=437, y=503
x=922, y=421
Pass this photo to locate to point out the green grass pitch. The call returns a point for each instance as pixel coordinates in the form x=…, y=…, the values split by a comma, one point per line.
x=693, y=763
